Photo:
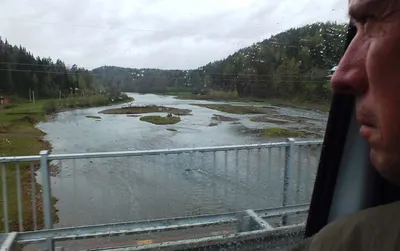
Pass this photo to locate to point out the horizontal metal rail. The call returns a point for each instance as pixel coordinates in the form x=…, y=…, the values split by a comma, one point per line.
x=308, y=142
x=280, y=211
x=131, y=228
x=20, y=159
x=166, y=151
x=155, y=152
x=216, y=240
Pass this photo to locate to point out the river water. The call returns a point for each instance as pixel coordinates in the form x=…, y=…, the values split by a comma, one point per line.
x=139, y=188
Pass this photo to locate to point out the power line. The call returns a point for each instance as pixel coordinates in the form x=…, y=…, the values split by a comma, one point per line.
x=49, y=72
x=53, y=65
x=85, y=70
x=26, y=64
x=102, y=74
x=219, y=79
x=133, y=69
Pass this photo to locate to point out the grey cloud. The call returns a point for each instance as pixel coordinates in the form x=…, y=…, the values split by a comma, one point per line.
x=153, y=33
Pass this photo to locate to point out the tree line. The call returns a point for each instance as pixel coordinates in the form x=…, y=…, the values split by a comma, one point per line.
x=21, y=73
x=294, y=63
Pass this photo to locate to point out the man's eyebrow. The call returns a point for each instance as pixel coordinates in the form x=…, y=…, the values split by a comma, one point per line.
x=362, y=8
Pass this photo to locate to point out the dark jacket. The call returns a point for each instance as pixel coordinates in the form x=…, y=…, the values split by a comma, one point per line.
x=376, y=228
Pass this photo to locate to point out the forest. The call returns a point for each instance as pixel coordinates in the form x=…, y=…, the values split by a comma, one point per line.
x=294, y=63
x=22, y=74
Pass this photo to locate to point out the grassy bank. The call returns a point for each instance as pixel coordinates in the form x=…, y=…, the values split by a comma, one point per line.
x=158, y=120
x=236, y=109
x=301, y=104
x=268, y=119
x=55, y=105
x=233, y=97
x=212, y=95
x=231, y=109
x=19, y=137
x=147, y=109
x=281, y=132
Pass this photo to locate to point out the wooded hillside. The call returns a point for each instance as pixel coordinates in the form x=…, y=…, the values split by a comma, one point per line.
x=20, y=72
x=293, y=63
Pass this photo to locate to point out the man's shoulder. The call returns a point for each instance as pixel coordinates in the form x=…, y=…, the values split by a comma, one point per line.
x=369, y=217
x=358, y=231
x=375, y=228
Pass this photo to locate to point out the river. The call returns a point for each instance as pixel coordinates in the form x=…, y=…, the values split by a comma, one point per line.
x=127, y=189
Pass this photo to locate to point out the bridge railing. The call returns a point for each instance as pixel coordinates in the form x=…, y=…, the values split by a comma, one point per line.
x=134, y=186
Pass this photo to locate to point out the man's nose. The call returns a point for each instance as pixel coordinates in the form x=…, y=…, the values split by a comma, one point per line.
x=350, y=76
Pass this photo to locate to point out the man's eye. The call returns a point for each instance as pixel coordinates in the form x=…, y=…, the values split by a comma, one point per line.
x=365, y=19
x=370, y=26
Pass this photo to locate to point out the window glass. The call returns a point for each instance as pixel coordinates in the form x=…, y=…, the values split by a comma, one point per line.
x=173, y=109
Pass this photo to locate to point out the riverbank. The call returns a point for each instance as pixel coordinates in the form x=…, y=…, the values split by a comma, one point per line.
x=232, y=97
x=20, y=137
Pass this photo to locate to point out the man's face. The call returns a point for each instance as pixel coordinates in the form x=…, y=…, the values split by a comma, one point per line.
x=370, y=69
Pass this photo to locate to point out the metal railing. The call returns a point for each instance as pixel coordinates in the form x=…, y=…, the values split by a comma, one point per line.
x=181, y=185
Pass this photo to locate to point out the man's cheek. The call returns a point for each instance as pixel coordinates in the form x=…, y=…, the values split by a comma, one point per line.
x=389, y=129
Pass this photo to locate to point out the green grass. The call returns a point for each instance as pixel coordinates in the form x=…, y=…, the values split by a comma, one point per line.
x=54, y=105
x=93, y=117
x=235, y=109
x=212, y=95
x=322, y=106
x=18, y=136
x=147, y=109
x=281, y=132
x=299, y=103
x=269, y=120
x=158, y=120
x=257, y=119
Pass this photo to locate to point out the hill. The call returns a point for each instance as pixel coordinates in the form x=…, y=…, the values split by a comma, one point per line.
x=294, y=63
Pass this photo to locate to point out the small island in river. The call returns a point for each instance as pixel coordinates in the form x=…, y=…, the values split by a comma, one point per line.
x=147, y=109
x=158, y=120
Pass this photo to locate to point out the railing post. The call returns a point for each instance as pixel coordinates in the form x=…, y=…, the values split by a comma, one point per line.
x=289, y=155
x=47, y=212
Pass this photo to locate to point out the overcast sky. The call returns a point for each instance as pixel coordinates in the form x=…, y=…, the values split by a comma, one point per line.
x=167, y=34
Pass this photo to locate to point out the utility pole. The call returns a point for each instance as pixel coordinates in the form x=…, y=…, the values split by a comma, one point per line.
x=33, y=96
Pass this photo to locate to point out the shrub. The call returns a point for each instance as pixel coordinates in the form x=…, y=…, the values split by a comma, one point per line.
x=50, y=107
x=9, y=106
